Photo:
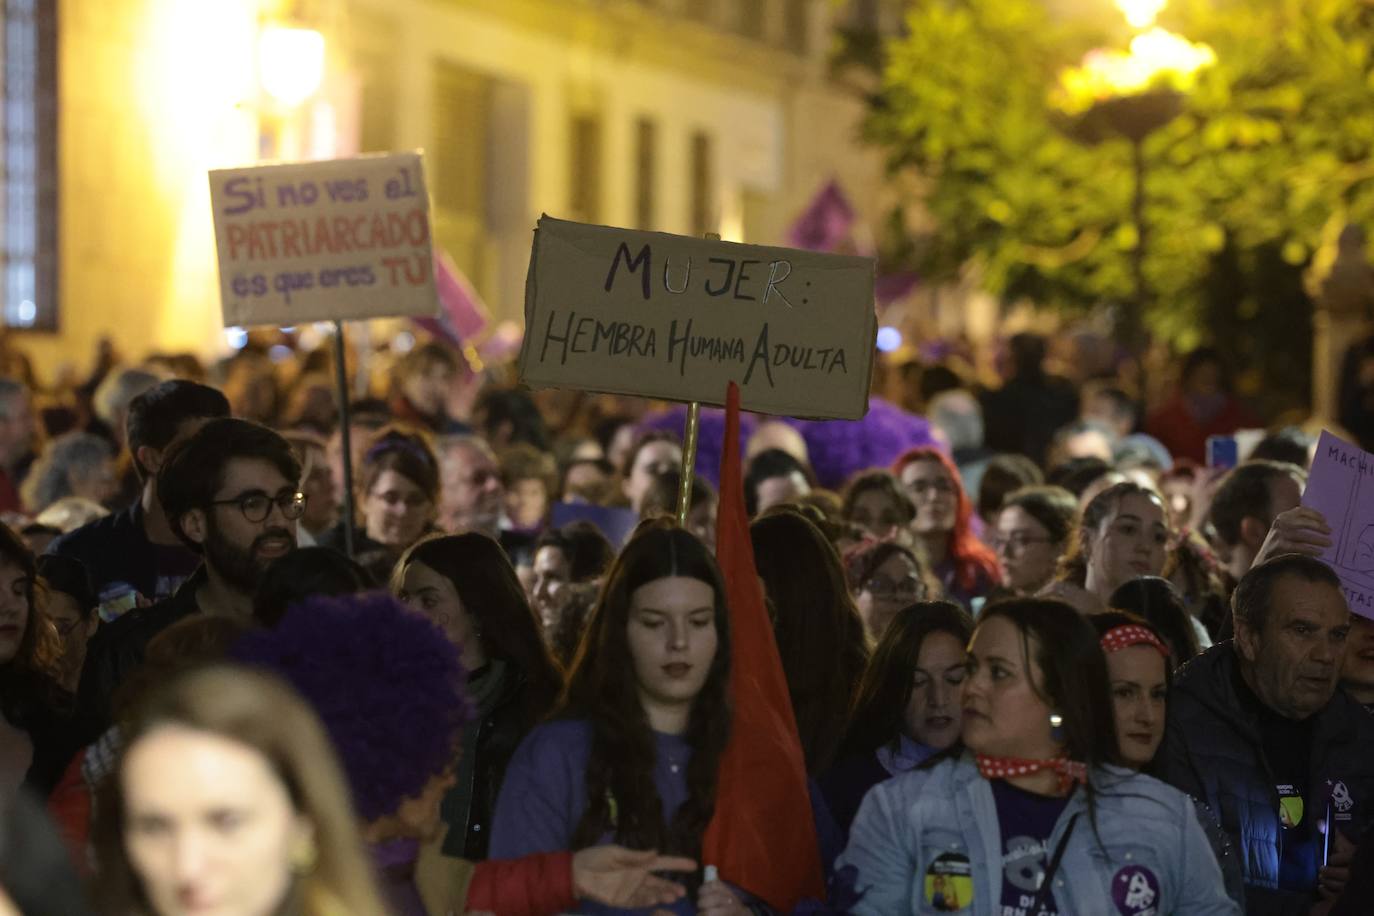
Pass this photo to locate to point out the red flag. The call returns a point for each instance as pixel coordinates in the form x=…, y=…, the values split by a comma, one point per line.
x=762, y=837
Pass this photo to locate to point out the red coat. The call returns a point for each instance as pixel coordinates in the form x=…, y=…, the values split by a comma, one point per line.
x=537, y=885
x=69, y=806
x=1185, y=437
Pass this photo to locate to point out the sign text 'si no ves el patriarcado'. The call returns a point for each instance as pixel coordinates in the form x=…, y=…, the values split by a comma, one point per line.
x=318, y=241
x=678, y=318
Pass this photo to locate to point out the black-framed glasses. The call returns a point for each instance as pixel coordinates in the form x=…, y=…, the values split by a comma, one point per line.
x=257, y=505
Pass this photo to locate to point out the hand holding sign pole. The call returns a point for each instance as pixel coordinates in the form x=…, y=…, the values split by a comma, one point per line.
x=339, y=240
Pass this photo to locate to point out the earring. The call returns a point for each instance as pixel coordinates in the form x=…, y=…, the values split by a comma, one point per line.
x=1056, y=728
x=304, y=855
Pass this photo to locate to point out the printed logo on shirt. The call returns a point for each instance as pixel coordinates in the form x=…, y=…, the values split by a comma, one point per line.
x=1290, y=806
x=1341, y=800
x=1023, y=865
x=949, y=883
x=1135, y=891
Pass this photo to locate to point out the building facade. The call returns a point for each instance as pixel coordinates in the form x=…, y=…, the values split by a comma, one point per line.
x=684, y=116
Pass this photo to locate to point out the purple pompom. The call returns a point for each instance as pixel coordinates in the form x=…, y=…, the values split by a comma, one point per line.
x=387, y=684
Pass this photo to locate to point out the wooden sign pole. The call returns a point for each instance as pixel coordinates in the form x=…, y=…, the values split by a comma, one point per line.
x=689, y=464
x=346, y=434
x=689, y=446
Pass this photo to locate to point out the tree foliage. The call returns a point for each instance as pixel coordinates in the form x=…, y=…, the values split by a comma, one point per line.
x=1269, y=158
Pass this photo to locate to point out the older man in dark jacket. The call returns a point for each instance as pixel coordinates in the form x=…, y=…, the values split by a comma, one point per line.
x=1259, y=732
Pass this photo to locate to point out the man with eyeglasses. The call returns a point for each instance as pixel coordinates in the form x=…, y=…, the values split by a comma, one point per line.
x=232, y=494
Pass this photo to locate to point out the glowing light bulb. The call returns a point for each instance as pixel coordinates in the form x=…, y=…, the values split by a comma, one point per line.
x=290, y=63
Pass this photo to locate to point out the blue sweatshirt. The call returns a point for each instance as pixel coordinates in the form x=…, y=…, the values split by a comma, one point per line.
x=544, y=795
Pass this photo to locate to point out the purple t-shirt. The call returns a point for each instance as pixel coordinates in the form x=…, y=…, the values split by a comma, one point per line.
x=1027, y=820
x=544, y=794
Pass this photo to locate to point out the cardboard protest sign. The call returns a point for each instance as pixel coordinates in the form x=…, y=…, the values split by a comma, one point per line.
x=318, y=241
x=678, y=318
x=1340, y=486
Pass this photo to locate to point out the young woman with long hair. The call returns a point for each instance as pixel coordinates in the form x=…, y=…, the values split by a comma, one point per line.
x=235, y=762
x=467, y=587
x=633, y=754
x=1140, y=666
x=819, y=633
x=37, y=733
x=944, y=525
x=908, y=706
x=1122, y=533
x=1032, y=814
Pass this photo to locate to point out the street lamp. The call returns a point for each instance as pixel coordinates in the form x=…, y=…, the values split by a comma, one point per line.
x=1130, y=95
x=290, y=68
x=290, y=63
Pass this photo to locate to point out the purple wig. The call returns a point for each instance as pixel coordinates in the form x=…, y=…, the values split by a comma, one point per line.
x=840, y=448
x=387, y=683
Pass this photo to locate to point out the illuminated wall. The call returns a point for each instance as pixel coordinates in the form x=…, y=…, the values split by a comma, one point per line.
x=154, y=93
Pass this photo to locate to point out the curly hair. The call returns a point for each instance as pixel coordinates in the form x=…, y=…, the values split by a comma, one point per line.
x=398, y=723
x=602, y=690
x=50, y=477
x=29, y=681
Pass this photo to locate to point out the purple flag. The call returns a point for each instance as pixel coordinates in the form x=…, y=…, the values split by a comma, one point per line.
x=825, y=223
x=463, y=315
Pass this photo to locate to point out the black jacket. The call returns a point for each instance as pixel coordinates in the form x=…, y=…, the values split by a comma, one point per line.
x=116, y=549
x=36, y=705
x=1213, y=751
x=118, y=648
x=468, y=807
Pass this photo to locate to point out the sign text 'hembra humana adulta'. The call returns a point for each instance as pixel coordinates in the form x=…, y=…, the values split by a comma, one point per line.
x=678, y=318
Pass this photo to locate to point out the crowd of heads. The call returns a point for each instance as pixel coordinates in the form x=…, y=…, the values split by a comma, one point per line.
x=517, y=561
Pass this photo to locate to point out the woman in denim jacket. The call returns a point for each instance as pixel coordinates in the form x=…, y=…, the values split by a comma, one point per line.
x=1029, y=817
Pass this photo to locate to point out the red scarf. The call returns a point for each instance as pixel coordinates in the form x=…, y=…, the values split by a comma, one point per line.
x=1070, y=771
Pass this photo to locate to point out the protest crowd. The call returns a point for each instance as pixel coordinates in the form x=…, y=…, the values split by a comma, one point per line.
x=1037, y=654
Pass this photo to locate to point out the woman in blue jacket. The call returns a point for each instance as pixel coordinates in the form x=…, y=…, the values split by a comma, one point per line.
x=1030, y=816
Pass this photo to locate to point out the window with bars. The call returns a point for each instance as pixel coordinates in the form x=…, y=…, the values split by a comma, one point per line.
x=646, y=172
x=28, y=165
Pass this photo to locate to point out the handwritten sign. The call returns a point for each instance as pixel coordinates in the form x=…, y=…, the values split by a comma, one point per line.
x=317, y=241
x=678, y=318
x=1341, y=487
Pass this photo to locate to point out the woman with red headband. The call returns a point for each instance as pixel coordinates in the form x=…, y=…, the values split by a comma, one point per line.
x=1032, y=815
x=1140, y=669
x=965, y=565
